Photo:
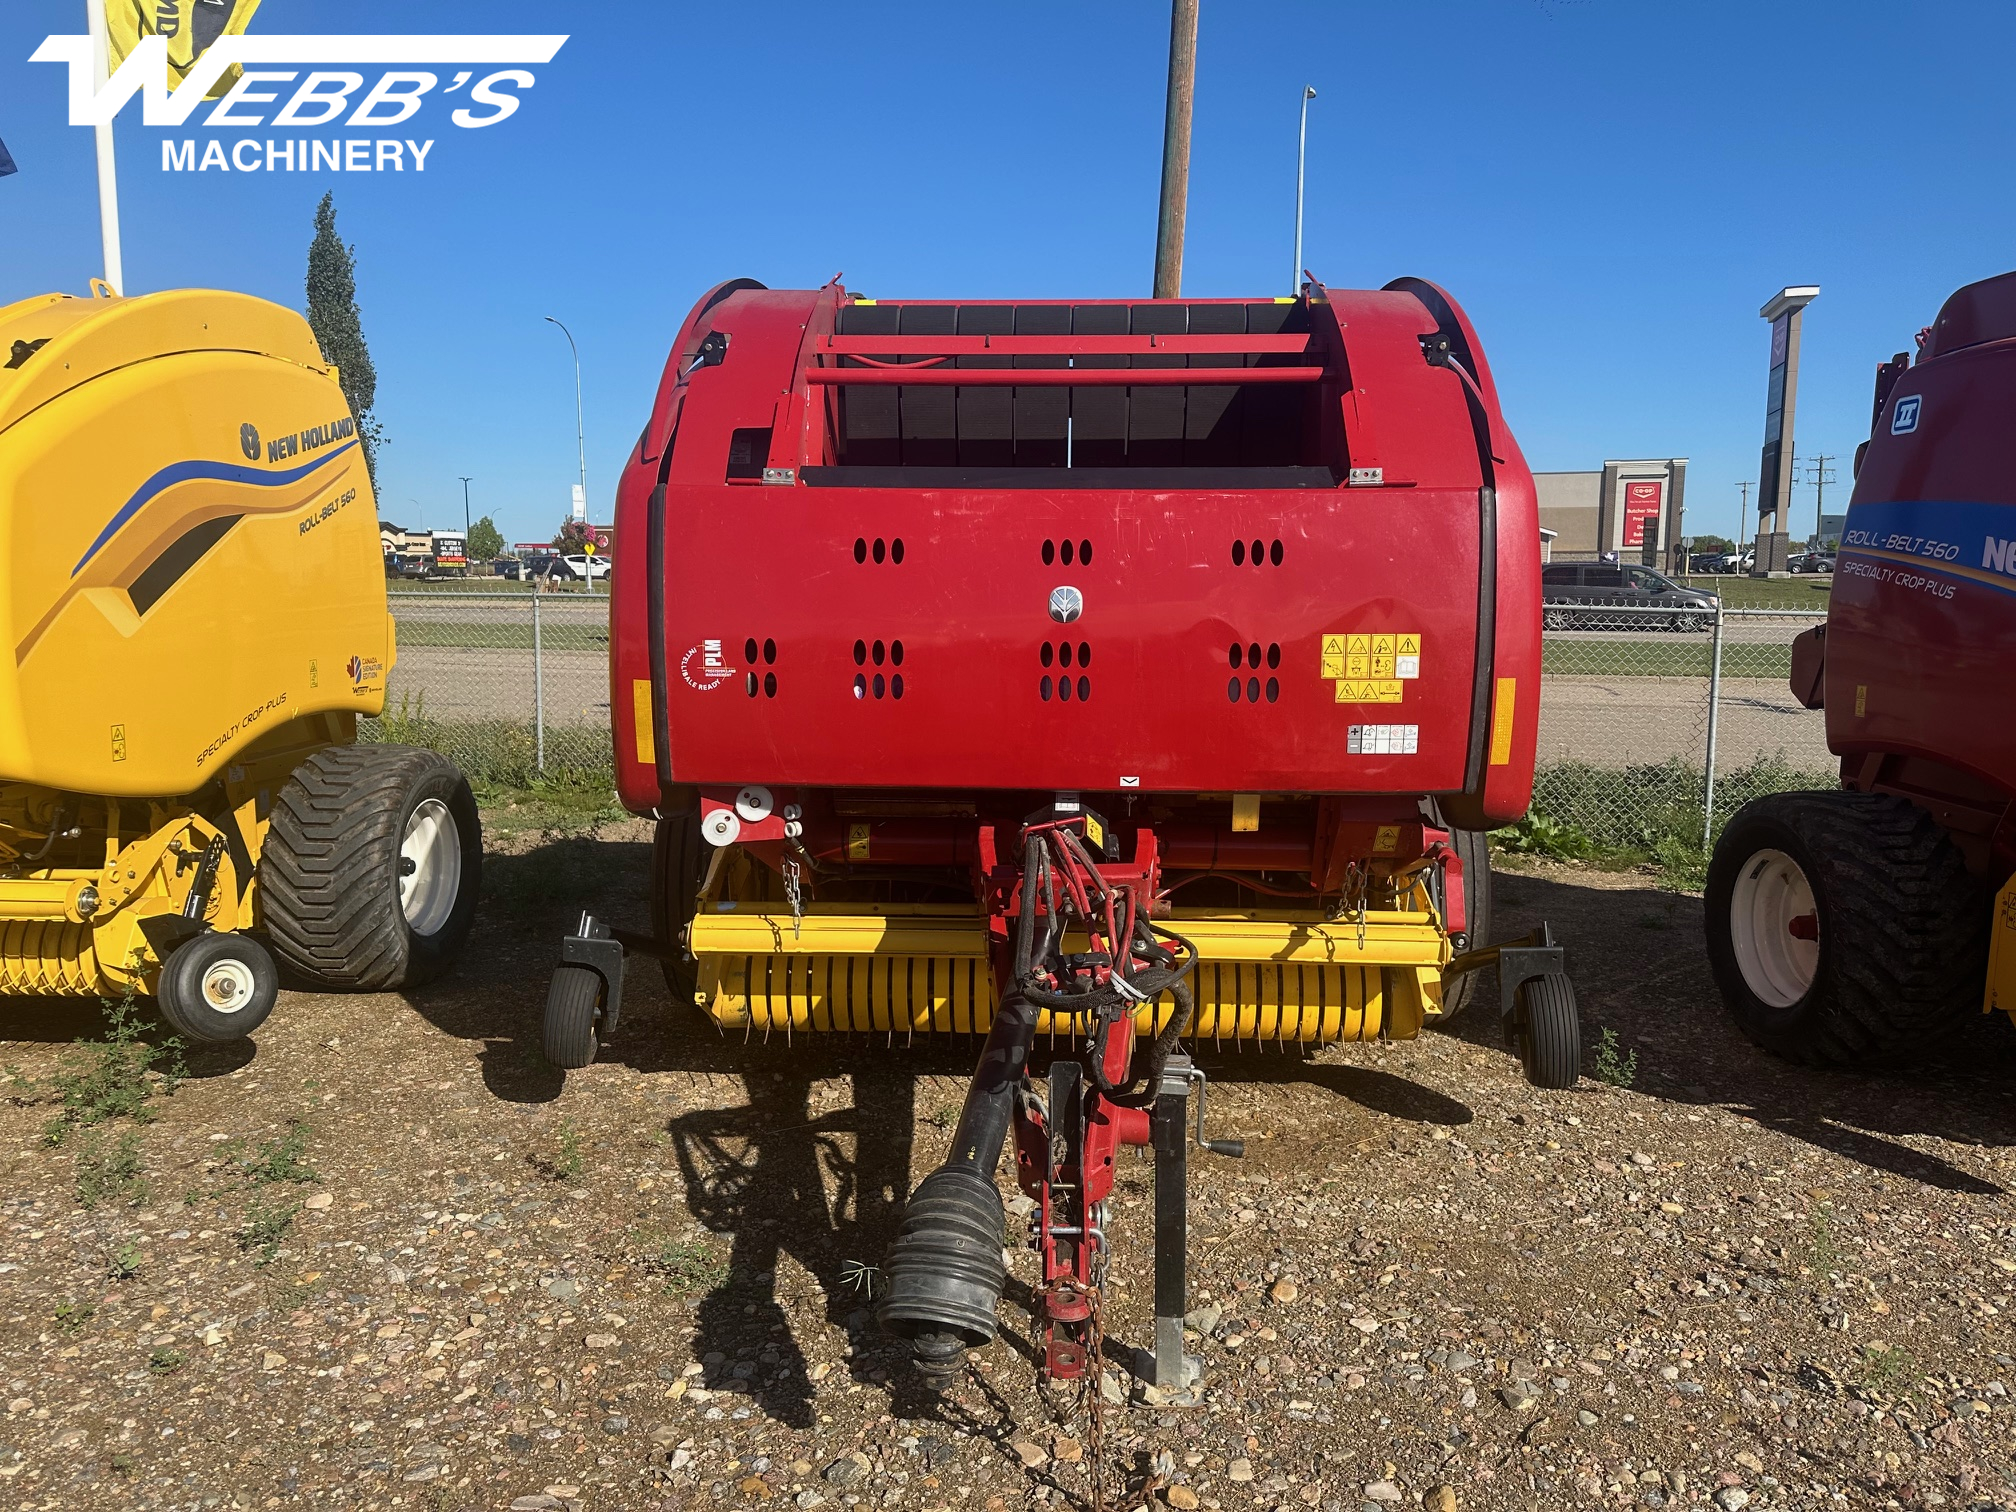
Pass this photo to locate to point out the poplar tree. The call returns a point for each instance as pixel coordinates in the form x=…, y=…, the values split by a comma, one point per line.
x=339, y=327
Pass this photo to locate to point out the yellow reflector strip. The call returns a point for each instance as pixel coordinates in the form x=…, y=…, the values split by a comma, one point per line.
x=1245, y=812
x=1501, y=721
x=640, y=708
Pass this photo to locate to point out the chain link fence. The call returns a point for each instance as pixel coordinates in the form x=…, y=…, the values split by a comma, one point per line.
x=511, y=685
x=1655, y=723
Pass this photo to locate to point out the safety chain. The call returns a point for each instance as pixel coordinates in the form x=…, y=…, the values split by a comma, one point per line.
x=794, y=895
x=1357, y=888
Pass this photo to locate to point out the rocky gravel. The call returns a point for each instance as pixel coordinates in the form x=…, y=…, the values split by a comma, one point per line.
x=387, y=1258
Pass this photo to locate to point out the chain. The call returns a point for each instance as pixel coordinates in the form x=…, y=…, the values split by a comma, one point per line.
x=1357, y=888
x=795, y=896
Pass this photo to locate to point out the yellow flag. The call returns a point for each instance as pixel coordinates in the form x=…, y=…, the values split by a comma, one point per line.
x=190, y=26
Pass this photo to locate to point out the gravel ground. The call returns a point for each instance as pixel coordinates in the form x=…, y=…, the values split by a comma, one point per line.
x=389, y=1259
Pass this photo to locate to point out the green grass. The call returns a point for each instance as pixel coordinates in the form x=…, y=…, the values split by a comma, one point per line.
x=114, y=1077
x=499, y=752
x=1765, y=593
x=108, y=1167
x=266, y=1224
x=280, y=1159
x=688, y=1267
x=1685, y=656
x=504, y=635
x=1608, y=1064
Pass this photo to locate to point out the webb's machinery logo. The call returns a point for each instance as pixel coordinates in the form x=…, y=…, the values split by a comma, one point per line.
x=279, y=89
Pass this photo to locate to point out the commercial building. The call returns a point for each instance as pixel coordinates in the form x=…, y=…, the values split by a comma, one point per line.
x=1630, y=508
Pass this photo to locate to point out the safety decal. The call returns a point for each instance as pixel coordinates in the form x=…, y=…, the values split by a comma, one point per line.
x=703, y=667
x=1383, y=740
x=1371, y=667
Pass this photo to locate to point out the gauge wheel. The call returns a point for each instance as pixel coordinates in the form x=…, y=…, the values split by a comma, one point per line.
x=573, y=1015
x=369, y=875
x=1548, y=1031
x=218, y=988
x=1844, y=928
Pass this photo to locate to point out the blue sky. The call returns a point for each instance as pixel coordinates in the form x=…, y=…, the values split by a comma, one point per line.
x=1611, y=187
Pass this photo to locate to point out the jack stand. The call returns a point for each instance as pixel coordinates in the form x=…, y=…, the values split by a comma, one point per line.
x=1177, y=1376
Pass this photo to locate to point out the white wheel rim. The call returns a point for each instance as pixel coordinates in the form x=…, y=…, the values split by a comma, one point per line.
x=430, y=867
x=228, y=986
x=1770, y=899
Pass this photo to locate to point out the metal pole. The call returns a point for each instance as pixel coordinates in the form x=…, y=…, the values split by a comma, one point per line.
x=1301, y=156
x=465, y=512
x=1176, y=149
x=108, y=171
x=580, y=444
x=1714, y=707
x=538, y=691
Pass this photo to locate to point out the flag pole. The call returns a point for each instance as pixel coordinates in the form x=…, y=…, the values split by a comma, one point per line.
x=108, y=172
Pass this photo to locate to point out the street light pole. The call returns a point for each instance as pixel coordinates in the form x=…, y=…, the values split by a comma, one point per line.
x=465, y=511
x=108, y=172
x=1301, y=156
x=580, y=444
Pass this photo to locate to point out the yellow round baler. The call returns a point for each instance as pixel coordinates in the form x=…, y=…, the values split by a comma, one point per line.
x=193, y=599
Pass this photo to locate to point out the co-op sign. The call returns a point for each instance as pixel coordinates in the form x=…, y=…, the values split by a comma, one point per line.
x=281, y=90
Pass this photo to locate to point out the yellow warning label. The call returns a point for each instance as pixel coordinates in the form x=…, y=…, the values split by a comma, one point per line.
x=1407, y=645
x=640, y=715
x=118, y=742
x=1333, y=645
x=1861, y=700
x=1386, y=840
x=1358, y=666
x=1501, y=721
x=1369, y=690
x=1245, y=812
x=1333, y=666
x=1382, y=645
x=1360, y=645
x=1095, y=832
x=857, y=842
x=1347, y=691
x=1388, y=691
x=1382, y=666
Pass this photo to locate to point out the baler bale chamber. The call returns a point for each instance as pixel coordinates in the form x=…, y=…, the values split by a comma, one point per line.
x=1126, y=672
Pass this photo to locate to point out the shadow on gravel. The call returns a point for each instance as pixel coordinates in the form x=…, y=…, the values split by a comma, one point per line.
x=1641, y=970
x=1380, y=1091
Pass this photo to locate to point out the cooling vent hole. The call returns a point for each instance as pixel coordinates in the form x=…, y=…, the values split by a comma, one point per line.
x=860, y=685
x=860, y=549
x=896, y=686
x=749, y=651
x=1049, y=552
x=1238, y=656
x=1044, y=686
x=1273, y=657
x=769, y=652
x=1067, y=553
x=769, y=684
x=752, y=684
x=1273, y=689
x=896, y=653
x=1064, y=654
x=1253, y=656
x=878, y=653
x=1064, y=689
x=1084, y=553
x=1259, y=552
x=1274, y=553
x=896, y=551
x=1232, y=690
x=1084, y=689
x=1046, y=655
x=1253, y=690
x=860, y=653
x=1084, y=653
x=1238, y=553
x=876, y=550
x=879, y=685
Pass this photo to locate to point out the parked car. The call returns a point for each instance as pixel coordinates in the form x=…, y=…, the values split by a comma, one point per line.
x=1812, y=561
x=1575, y=594
x=581, y=568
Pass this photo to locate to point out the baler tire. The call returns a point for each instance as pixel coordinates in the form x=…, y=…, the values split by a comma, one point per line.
x=1902, y=928
x=573, y=1009
x=677, y=851
x=1549, y=1031
x=1473, y=848
x=335, y=856
x=217, y=988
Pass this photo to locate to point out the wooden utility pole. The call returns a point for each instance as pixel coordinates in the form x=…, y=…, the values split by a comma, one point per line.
x=1176, y=149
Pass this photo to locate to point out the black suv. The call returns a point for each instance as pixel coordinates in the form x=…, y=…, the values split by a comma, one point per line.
x=1575, y=594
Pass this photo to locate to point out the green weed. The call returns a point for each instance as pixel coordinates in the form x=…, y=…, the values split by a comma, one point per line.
x=1887, y=1368
x=688, y=1267
x=124, y=1262
x=71, y=1316
x=501, y=754
x=1607, y=1065
x=1539, y=834
x=280, y=1159
x=565, y=1163
x=108, y=1168
x=266, y=1224
x=165, y=1361
x=1823, y=1248
x=110, y=1078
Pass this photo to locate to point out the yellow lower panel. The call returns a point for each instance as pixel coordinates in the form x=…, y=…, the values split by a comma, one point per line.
x=47, y=958
x=1290, y=990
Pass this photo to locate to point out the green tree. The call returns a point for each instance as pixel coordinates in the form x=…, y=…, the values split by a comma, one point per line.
x=485, y=540
x=339, y=327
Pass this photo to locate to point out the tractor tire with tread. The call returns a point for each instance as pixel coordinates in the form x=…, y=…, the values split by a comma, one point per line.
x=1473, y=848
x=370, y=869
x=1902, y=928
x=679, y=860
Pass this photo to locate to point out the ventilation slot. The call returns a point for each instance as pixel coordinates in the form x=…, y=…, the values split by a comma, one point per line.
x=878, y=654
x=1070, y=553
x=764, y=653
x=879, y=551
x=1251, y=657
x=175, y=560
x=1257, y=553
x=1063, y=655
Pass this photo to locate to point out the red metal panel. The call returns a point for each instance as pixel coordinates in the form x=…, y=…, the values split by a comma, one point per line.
x=920, y=375
x=1163, y=605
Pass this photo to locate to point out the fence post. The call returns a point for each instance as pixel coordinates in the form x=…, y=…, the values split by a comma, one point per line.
x=1714, y=708
x=539, y=690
